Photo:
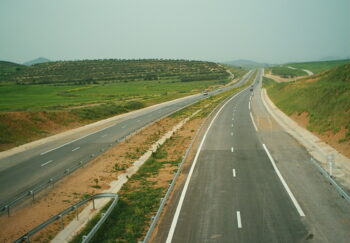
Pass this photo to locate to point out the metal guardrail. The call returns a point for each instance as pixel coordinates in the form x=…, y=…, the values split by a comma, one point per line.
x=59, y=216
x=340, y=190
x=154, y=219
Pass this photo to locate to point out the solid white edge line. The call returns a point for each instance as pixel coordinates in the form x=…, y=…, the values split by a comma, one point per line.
x=183, y=193
x=249, y=105
x=234, y=172
x=48, y=162
x=239, y=221
x=75, y=149
x=295, y=202
x=251, y=116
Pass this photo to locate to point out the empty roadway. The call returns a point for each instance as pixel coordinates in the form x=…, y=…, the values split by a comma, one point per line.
x=251, y=182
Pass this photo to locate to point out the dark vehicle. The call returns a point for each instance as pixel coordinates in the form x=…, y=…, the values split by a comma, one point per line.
x=251, y=88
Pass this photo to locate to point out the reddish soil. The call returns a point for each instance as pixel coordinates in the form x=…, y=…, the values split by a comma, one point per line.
x=329, y=137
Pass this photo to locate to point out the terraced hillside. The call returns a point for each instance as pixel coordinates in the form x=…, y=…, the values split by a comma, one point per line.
x=321, y=103
x=111, y=71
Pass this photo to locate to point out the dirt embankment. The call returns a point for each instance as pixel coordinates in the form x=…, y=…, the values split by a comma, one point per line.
x=95, y=178
x=329, y=137
x=22, y=127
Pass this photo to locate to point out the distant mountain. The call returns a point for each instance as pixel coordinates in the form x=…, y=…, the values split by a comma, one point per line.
x=246, y=63
x=334, y=58
x=36, y=61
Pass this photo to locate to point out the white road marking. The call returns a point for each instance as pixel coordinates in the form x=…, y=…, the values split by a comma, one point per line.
x=232, y=149
x=231, y=125
x=295, y=202
x=183, y=193
x=104, y=136
x=48, y=162
x=256, y=129
x=124, y=126
x=231, y=133
x=239, y=221
x=234, y=172
x=232, y=118
x=138, y=120
x=249, y=105
x=75, y=149
x=75, y=140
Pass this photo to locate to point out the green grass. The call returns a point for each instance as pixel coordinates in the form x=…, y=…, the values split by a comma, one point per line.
x=326, y=101
x=286, y=72
x=50, y=97
x=317, y=67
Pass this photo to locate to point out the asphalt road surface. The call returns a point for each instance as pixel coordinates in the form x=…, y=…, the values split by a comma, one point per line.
x=21, y=171
x=252, y=182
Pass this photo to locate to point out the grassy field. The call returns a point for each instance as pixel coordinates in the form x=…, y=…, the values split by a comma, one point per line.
x=286, y=72
x=52, y=97
x=317, y=67
x=326, y=101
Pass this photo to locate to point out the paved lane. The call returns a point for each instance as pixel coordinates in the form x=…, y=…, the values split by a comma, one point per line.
x=234, y=194
x=252, y=182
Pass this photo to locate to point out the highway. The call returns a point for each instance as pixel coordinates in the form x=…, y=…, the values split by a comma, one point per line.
x=251, y=182
x=23, y=170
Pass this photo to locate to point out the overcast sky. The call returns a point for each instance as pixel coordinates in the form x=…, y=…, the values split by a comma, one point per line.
x=271, y=31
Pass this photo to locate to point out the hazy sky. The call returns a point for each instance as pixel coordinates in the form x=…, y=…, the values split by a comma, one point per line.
x=220, y=30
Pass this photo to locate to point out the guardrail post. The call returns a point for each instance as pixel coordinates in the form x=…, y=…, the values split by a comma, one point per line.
x=26, y=238
x=93, y=204
x=61, y=217
x=32, y=193
x=76, y=212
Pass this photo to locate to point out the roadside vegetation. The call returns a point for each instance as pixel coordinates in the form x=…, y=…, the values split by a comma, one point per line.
x=286, y=72
x=324, y=99
x=140, y=197
x=318, y=67
x=47, y=98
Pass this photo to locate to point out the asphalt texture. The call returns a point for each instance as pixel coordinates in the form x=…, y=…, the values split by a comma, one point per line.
x=235, y=194
x=21, y=172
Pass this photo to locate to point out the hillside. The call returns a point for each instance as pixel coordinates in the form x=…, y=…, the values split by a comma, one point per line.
x=8, y=69
x=112, y=71
x=321, y=103
x=246, y=64
x=37, y=61
x=317, y=67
